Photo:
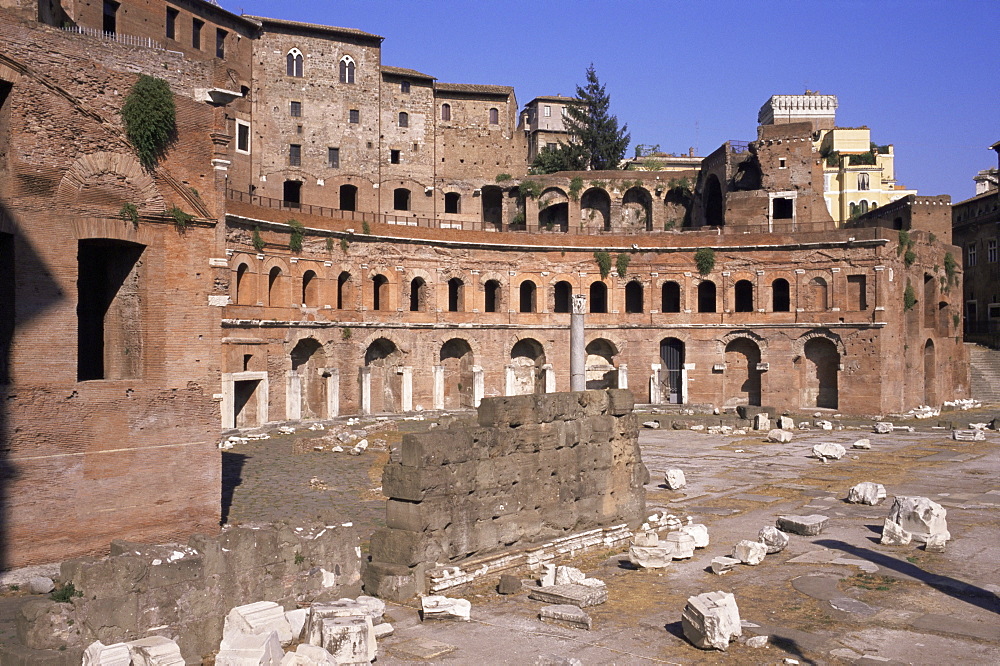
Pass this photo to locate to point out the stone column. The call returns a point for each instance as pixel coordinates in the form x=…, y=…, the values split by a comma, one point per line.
x=365, y=380
x=549, y=378
x=406, y=389
x=293, y=397
x=655, y=395
x=437, y=373
x=478, y=385
x=577, y=345
x=508, y=388
x=332, y=376
x=622, y=376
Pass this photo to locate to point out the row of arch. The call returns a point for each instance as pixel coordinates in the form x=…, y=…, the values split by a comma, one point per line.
x=416, y=294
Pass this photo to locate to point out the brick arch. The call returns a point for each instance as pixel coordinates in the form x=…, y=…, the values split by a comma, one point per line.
x=760, y=340
x=474, y=345
x=614, y=337
x=89, y=169
x=799, y=344
x=367, y=341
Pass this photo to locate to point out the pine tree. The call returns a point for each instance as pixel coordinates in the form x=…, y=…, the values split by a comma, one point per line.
x=592, y=127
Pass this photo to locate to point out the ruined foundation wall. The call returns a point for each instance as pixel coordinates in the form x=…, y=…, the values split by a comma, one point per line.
x=536, y=467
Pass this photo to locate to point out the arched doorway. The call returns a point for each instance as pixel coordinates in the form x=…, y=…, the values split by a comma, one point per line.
x=456, y=360
x=637, y=209
x=714, y=208
x=741, y=385
x=671, y=370
x=822, y=365
x=706, y=296
x=634, y=297
x=527, y=302
x=600, y=368
x=743, y=296
x=384, y=358
x=595, y=209
x=553, y=211
x=492, y=197
x=930, y=374
x=348, y=197
x=492, y=296
x=563, y=297
x=308, y=364
x=244, y=290
x=598, y=297
x=526, y=359
x=418, y=295
x=780, y=296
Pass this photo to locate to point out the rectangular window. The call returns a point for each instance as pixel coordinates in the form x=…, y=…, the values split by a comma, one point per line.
x=333, y=158
x=294, y=154
x=970, y=255
x=172, y=23
x=196, y=26
x=295, y=109
x=220, y=43
x=857, y=296
x=993, y=310
x=991, y=251
x=111, y=16
x=298, y=129
x=547, y=111
x=354, y=116
x=242, y=137
x=404, y=87
x=394, y=156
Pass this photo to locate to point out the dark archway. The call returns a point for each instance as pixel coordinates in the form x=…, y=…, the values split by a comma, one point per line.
x=310, y=289
x=383, y=357
x=244, y=291
x=343, y=289
x=563, y=297
x=822, y=365
x=418, y=295
x=275, y=282
x=781, y=300
x=595, y=208
x=637, y=209
x=380, y=292
x=742, y=385
x=743, y=293
x=493, y=296
x=598, y=298
x=452, y=202
x=634, y=297
x=600, y=369
x=670, y=297
x=527, y=358
x=527, y=297
x=930, y=374
x=348, y=197
x=401, y=199
x=456, y=295
x=706, y=296
x=492, y=197
x=308, y=362
x=714, y=206
x=457, y=361
x=671, y=370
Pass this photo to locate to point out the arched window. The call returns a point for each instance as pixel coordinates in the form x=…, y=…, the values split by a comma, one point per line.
x=404, y=119
x=273, y=286
x=242, y=285
x=452, y=202
x=706, y=296
x=780, y=297
x=743, y=293
x=863, y=207
x=456, y=295
x=293, y=63
x=492, y=294
x=310, y=289
x=816, y=295
x=527, y=296
x=598, y=297
x=418, y=288
x=852, y=209
x=494, y=117
x=347, y=69
x=446, y=111
x=563, y=296
x=633, y=297
x=342, y=286
x=348, y=197
x=380, y=290
x=670, y=297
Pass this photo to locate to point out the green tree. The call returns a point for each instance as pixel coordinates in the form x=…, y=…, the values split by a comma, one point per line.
x=591, y=125
x=564, y=157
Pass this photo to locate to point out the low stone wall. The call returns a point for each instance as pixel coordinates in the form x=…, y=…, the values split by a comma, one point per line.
x=536, y=467
x=185, y=592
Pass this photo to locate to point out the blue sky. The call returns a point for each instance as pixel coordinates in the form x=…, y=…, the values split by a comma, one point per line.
x=922, y=75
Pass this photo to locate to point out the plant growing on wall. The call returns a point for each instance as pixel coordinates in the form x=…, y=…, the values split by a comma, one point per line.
x=345, y=333
x=150, y=118
x=366, y=228
x=329, y=243
x=621, y=265
x=257, y=239
x=344, y=245
x=603, y=260
x=298, y=233
x=180, y=218
x=530, y=188
x=909, y=297
x=518, y=219
x=704, y=259
x=129, y=213
x=575, y=185
x=950, y=268
x=503, y=177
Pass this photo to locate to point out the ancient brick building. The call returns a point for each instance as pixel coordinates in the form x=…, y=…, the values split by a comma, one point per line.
x=365, y=240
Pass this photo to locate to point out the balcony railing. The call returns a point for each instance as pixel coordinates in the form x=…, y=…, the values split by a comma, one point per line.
x=128, y=40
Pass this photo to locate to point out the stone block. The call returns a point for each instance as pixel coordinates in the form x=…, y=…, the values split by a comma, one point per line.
x=723, y=564
x=749, y=552
x=711, y=620
x=698, y=532
x=883, y=428
x=773, y=539
x=363, y=606
x=862, y=444
x=894, y=535
x=935, y=543
x=437, y=607
x=297, y=621
x=40, y=585
x=566, y=575
x=566, y=614
x=437, y=447
x=823, y=425
x=548, y=577
x=646, y=538
x=653, y=425
x=155, y=651
x=779, y=436
x=620, y=402
x=509, y=411
x=682, y=544
x=383, y=629
x=43, y=624
x=805, y=525
x=351, y=640
x=308, y=655
x=866, y=492
x=398, y=547
x=786, y=423
x=250, y=650
x=974, y=435
x=509, y=584
x=260, y=617
x=651, y=557
x=920, y=516
x=581, y=596
x=761, y=422
x=99, y=654
x=675, y=480
x=828, y=450
x=394, y=582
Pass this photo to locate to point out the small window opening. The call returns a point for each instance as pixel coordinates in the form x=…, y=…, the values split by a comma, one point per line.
x=452, y=202
x=394, y=157
x=784, y=208
x=196, y=26
x=172, y=22
x=220, y=43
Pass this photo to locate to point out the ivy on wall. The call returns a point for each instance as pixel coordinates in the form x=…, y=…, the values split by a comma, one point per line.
x=150, y=118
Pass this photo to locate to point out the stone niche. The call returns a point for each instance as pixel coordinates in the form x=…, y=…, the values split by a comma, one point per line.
x=534, y=467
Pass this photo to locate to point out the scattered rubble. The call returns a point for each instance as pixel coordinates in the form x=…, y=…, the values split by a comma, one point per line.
x=828, y=450
x=711, y=620
x=774, y=540
x=155, y=651
x=749, y=552
x=779, y=436
x=674, y=479
x=651, y=424
x=862, y=444
x=883, y=428
x=566, y=614
x=698, y=532
x=574, y=594
x=757, y=642
x=261, y=617
x=805, y=525
x=651, y=557
x=437, y=607
x=963, y=404
x=682, y=545
x=785, y=423
x=974, y=435
x=723, y=564
x=894, y=535
x=41, y=585
x=924, y=412
x=866, y=492
x=920, y=516
x=242, y=649
x=823, y=425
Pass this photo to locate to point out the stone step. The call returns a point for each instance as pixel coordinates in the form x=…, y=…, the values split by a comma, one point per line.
x=984, y=373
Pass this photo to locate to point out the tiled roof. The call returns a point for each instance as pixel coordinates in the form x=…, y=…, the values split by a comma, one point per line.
x=403, y=71
x=313, y=26
x=474, y=88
